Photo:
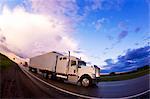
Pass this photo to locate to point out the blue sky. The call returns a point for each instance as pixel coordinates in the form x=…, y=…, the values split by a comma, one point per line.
x=103, y=30
x=109, y=41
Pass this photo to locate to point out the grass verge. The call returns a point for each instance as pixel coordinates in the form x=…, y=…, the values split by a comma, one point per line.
x=5, y=62
x=125, y=76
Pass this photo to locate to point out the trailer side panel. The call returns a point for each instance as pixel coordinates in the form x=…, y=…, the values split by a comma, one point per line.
x=44, y=62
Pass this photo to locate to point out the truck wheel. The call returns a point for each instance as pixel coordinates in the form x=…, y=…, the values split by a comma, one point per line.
x=35, y=70
x=30, y=69
x=45, y=75
x=53, y=77
x=86, y=81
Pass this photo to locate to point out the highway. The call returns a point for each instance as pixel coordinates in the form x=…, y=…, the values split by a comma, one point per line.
x=15, y=83
x=116, y=89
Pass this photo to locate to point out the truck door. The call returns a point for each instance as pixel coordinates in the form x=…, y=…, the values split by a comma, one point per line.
x=72, y=74
x=62, y=64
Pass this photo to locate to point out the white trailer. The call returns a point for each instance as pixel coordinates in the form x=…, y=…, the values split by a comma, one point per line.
x=69, y=68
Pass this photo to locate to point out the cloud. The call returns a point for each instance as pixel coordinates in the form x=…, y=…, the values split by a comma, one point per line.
x=98, y=24
x=122, y=34
x=137, y=53
x=109, y=61
x=77, y=51
x=106, y=48
x=67, y=9
x=109, y=37
x=62, y=7
x=28, y=34
x=106, y=4
x=97, y=4
x=122, y=25
x=137, y=29
x=136, y=43
x=131, y=60
x=4, y=48
x=2, y=38
x=71, y=9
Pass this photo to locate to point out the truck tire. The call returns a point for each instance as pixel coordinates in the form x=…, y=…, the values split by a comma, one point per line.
x=34, y=70
x=30, y=69
x=45, y=75
x=86, y=81
x=53, y=77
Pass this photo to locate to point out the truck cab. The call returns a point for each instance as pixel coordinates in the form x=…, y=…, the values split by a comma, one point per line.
x=77, y=70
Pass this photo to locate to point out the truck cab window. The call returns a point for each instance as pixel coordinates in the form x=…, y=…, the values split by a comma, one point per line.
x=64, y=58
x=73, y=63
x=82, y=63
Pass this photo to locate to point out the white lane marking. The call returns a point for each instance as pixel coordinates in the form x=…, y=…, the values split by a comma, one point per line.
x=79, y=95
x=136, y=95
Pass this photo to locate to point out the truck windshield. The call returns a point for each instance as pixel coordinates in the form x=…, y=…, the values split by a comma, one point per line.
x=82, y=63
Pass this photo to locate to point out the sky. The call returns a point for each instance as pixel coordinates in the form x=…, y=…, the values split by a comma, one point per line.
x=113, y=34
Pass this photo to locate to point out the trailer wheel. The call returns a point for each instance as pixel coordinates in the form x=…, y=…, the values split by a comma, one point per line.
x=34, y=70
x=30, y=69
x=53, y=77
x=86, y=81
x=45, y=75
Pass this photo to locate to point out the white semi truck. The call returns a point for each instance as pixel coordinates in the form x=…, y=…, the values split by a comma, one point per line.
x=70, y=68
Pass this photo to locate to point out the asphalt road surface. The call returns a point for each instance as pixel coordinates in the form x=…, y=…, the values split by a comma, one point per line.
x=16, y=84
x=124, y=88
x=115, y=89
